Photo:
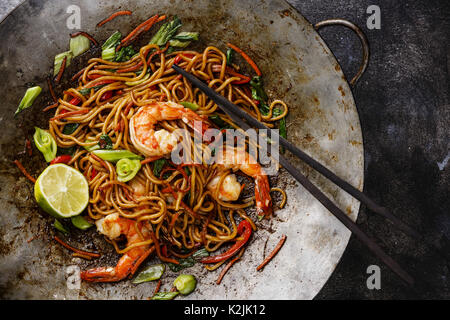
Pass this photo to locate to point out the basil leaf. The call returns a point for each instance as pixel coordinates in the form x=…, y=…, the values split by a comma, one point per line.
x=202, y=253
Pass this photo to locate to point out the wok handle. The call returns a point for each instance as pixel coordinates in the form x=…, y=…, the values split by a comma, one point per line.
x=359, y=33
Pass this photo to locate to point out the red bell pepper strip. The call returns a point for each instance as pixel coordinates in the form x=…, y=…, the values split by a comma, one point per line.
x=93, y=173
x=244, y=230
x=61, y=159
x=107, y=95
x=75, y=101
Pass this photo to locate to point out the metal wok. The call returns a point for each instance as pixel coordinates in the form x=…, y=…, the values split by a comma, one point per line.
x=298, y=67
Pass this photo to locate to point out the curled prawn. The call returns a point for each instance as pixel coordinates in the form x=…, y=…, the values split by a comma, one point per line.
x=113, y=226
x=230, y=189
x=161, y=142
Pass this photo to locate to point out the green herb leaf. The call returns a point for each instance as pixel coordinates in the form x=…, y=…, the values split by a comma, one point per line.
x=183, y=264
x=165, y=295
x=230, y=56
x=202, y=253
x=158, y=165
x=151, y=273
x=105, y=142
x=70, y=128
x=166, y=32
x=113, y=41
x=124, y=54
x=81, y=223
x=30, y=96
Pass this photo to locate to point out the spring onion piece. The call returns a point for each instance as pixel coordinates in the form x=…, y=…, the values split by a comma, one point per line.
x=230, y=56
x=109, y=47
x=91, y=148
x=165, y=295
x=127, y=169
x=28, y=99
x=190, y=105
x=158, y=165
x=185, y=283
x=109, y=54
x=58, y=226
x=183, y=39
x=116, y=155
x=45, y=144
x=166, y=32
x=79, y=45
x=81, y=223
x=112, y=41
x=59, y=60
x=151, y=273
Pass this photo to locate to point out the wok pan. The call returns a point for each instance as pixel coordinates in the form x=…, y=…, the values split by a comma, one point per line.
x=298, y=68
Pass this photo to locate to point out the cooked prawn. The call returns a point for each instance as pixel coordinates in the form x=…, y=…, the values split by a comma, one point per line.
x=113, y=226
x=158, y=143
x=230, y=189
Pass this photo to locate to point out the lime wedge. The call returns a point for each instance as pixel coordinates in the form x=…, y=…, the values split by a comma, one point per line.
x=62, y=191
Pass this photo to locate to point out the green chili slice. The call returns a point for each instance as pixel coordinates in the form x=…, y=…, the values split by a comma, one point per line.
x=127, y=169
x=45, y=144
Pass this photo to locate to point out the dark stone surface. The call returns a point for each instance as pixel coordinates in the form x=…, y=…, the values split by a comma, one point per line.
x=403, y=102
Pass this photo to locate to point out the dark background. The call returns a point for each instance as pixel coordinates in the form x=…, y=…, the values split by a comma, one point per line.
x=403, y=103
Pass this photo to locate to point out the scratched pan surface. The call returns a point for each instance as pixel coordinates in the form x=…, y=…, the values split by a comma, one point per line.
x=299, y=68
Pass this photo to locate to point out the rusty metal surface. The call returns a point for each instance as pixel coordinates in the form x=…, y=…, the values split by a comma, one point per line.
x=299, y=68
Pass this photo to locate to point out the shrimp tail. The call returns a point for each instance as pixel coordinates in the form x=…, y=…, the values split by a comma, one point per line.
x=262, y=196
x=126, y=266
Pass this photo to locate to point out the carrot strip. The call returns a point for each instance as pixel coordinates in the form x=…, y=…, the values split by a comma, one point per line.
x=151, y=159
x=113, y=16
x=228, y=266
x=144, y=26
x=78, y=74
x=158, y=250
x=85, y=34
x=50, y=88
x=24, y=171
x=81, y=252
x=69, y=114
x=246, y=57
x=61, y=70
x=158, y=286
x=79, y=255
x=272, y=254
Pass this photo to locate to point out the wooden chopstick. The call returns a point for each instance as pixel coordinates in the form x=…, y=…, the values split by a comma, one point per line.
x=232, y=110
x=363, y=198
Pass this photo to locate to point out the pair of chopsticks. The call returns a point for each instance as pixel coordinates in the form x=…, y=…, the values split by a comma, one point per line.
x=238, y=115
